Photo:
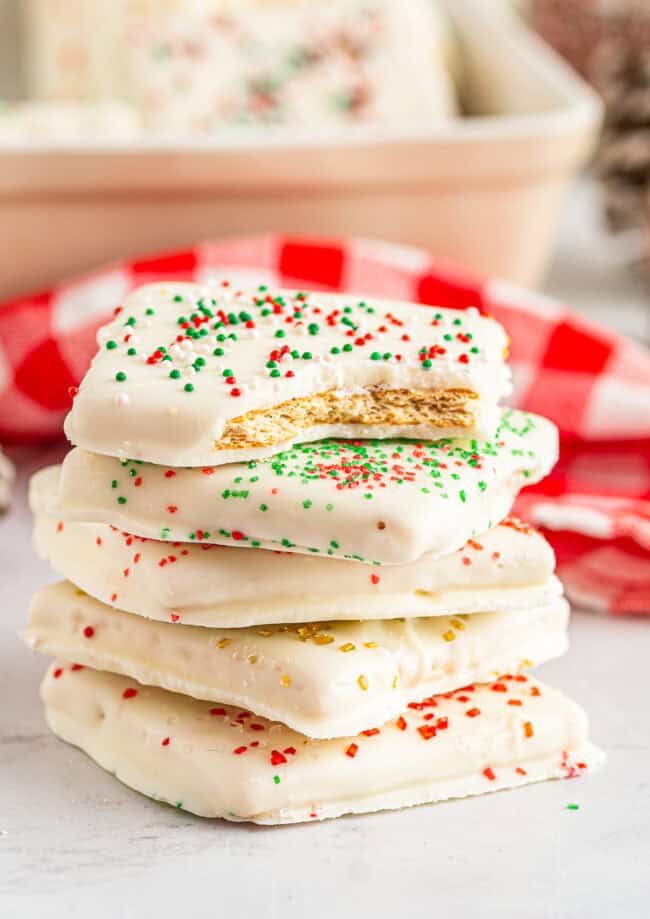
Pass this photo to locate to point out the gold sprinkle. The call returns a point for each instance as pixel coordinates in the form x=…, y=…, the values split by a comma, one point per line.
x=285, y=680
x=449, y=635
x=323, y=639
x=395, y=679
x=252, y=658
x=223, y=642
x=79, y=592
x=264, y=633
x=458, y=624
x=370, y=644
x=348, y=646
x=363, y=682
x=526, y=663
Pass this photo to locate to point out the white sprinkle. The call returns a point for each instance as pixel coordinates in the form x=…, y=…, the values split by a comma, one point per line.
x=122, y=398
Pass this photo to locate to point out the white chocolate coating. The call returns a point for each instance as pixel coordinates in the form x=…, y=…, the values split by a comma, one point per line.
x=325, y=680
x=137, y=405
x=388, y=502
x=173, y=749
x=508, y=568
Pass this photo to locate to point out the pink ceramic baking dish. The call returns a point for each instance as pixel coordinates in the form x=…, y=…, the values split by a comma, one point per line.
x=483, y=189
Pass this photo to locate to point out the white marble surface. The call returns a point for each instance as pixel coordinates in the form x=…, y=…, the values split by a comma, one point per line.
x=75, y=842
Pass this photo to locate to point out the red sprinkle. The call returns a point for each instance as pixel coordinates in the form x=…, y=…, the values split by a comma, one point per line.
x=427, y=731
x=239, y=750
x=89, y=631
x=217, y=711
x=489, y=774
x=129, y=693
x=165, y=742
x=277, y=758
x=57, y=673
x=374, y=579
x=352, y=750
x=401, y=723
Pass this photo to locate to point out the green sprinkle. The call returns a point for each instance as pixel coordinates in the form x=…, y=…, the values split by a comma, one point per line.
x=276, y=779
x=313, y=328
x=120, y=376
x=375, y=356
x=121, y=500
x=175, y=374
x=218, y=352
x=114, y=483
x=307, y=504
x=131, y=352
x=335, y=350
x=573, y=807
x=462, y=496
x=178, y=298
x=189, y=387
x=111, y=345
x=148, y=312
x=307, y=355
x=280, y=333
x=227, y=373
x=264, y=507
x=426, y=364
x=347, y=348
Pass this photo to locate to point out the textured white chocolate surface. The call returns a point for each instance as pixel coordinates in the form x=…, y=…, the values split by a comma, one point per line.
x=507, y=568
x=211, y=761
x=180, y=361
x=326, y=679
x=374, y=501
x=236, y=64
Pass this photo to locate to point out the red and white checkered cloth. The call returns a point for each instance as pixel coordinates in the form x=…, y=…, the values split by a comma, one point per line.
x=595, y=385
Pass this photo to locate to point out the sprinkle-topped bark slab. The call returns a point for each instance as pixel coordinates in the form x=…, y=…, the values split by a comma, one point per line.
x=326, y=679
x=507, y=568
x=190, y=375
x=372, y=501
x=214, y=761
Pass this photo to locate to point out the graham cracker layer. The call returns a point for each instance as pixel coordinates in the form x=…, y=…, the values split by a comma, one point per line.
x=375, y=406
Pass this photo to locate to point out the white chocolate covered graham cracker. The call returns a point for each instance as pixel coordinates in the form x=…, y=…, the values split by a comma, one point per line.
x=190, y=375
x=508, y=568
x=325, y=679
x=373, y=501
x=218, y=761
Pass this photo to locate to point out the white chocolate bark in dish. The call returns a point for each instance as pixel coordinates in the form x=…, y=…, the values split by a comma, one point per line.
x=212, y=761
x=508, y=568
x=372, y=501
x=190, y=375
x=325, y=680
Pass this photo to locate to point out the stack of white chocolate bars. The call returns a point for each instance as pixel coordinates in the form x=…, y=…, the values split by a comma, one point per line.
x=294, y=590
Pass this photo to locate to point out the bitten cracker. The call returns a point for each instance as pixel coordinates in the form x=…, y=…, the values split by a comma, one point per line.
x=190, y=375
